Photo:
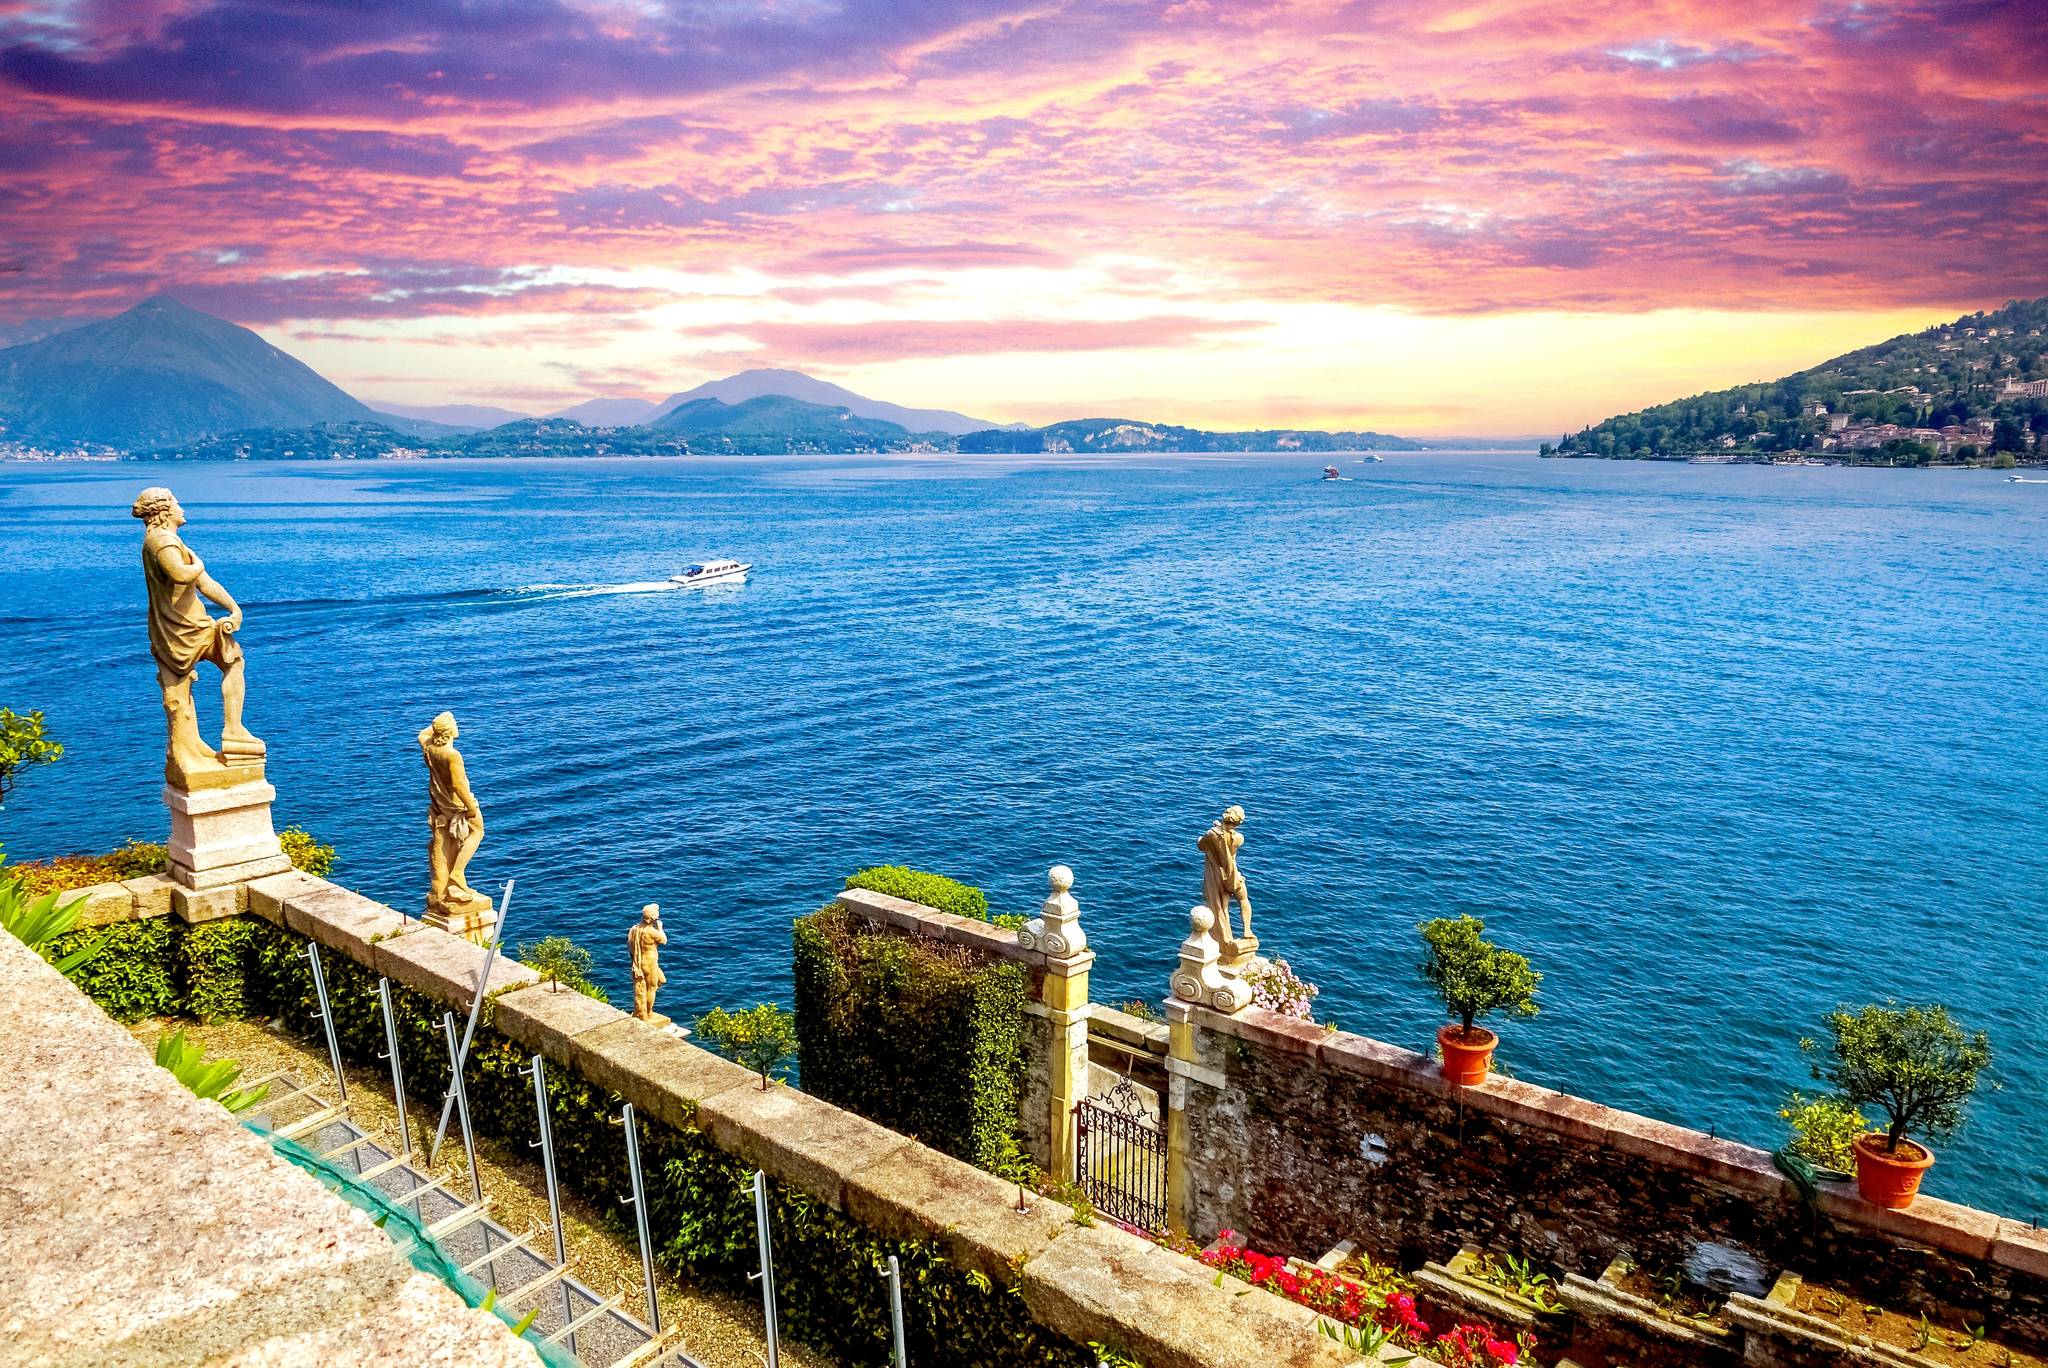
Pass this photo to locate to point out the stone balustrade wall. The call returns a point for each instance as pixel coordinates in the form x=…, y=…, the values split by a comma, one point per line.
x=1300, y=1138
x=1087, y=1283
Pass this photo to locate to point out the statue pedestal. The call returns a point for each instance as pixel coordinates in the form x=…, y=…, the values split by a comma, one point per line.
x=221, y=833
x=472, y=918
x=1201, y=977
x=657, y=1020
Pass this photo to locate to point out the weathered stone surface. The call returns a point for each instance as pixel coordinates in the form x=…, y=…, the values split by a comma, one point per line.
x=152, y=895
x=919, y=1194
x=1268, y=1030
x=267, y=896
x=885, y=909
x=1034, y=1101
x=158, y=1233
x=1126, y=1029
x=546, y=1018
x=2022, y=1248
x=105, y=904
x=1367, y=1142
x=659, y=1074
x=341, y=920
x=1105, y=1285
x=208, y=904
x=796, y=1138
x=442, y=966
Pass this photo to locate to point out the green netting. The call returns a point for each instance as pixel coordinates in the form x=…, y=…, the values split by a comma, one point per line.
x=409, y=1233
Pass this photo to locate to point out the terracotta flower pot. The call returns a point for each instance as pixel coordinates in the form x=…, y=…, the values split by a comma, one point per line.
x=1466, y=1057
x=1889, y=1180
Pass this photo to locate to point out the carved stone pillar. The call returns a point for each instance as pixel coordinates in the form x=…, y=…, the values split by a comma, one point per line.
x=1056, y=932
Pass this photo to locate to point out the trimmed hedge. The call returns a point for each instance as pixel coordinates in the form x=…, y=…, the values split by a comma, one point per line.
x=933, y=890
x=136, y=974
x=925, y=1038
x=162, y=967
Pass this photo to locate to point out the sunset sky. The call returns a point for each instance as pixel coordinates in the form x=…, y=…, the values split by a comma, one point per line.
x=1420, y=218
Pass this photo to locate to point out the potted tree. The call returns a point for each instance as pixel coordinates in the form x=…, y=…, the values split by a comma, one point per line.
x=1917, y=1065
x=1475, y=978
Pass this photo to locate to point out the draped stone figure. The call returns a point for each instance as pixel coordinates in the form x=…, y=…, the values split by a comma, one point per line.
x=644, y=942
x=182, y=634
x=1222, y=881
x=455, y=828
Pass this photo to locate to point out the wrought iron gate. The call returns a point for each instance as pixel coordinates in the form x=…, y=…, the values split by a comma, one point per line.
x=1120, y=1157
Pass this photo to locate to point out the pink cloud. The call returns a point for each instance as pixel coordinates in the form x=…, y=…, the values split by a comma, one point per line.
x=274, y=160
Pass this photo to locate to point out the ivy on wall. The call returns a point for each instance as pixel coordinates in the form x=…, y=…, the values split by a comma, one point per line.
x=700, y=1207
x=924, y=1037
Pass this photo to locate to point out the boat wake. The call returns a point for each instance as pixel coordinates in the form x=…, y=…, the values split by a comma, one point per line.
x=542, y=593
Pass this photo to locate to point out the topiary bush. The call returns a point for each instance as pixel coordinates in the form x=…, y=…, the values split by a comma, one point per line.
x=924, y=1037
x=919, y=886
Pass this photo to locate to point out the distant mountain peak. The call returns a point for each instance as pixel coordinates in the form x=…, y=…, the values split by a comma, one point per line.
x=764, y=381
x=158, y=374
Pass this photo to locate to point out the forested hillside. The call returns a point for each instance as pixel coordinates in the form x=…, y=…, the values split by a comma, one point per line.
x=1975, y=387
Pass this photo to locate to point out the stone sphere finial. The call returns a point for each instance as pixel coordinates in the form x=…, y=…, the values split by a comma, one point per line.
x=1059, y=878
x=1200, y=919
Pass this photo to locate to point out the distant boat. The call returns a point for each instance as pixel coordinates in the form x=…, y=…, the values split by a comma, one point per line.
x=712, y=572
x=1370, y=460
x=2023, y=479
x=1330, y=473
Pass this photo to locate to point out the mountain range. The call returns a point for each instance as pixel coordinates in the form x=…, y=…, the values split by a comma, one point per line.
x=168, y=381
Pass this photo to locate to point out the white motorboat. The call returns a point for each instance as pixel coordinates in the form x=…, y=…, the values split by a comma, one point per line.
x=712, y=572
x=1370, y=460
x=1330, y=473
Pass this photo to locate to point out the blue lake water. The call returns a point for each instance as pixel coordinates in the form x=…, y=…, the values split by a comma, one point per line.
x=1718, y=747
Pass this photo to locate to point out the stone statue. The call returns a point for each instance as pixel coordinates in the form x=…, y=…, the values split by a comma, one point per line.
x=181, y=635
x=1221, y=881
x=645, y=941
x=455, y=828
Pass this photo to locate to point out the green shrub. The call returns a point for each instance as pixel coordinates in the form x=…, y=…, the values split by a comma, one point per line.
x=306, y=852
x=211, y=960
x=1472, y=975
x=760, y=1038
x=561, y=961
x=134, y=975
x=918, y=886
x=66, y=872
x=1914, y=1063
x=137, y=859
x=1822, y=1127
x=923, y=1037
x=23, y=742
